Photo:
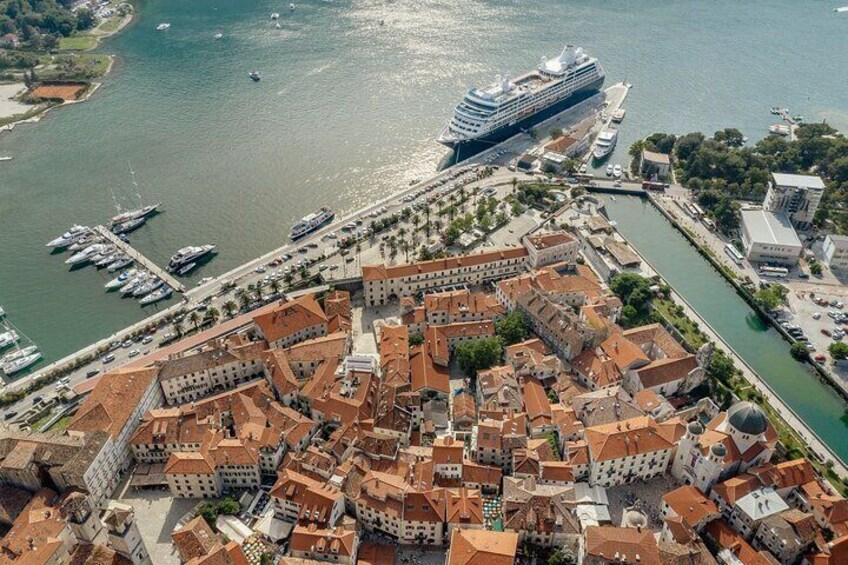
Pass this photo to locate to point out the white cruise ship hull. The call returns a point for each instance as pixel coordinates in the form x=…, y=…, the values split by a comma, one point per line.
x=472, y=145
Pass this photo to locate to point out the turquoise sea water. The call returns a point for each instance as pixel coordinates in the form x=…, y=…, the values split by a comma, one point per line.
x=345, y=113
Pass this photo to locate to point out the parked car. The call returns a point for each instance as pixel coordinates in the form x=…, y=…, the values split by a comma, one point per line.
x=826, y=332
x=92, y=373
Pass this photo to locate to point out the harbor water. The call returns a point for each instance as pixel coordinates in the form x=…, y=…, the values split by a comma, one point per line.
x=346, y=112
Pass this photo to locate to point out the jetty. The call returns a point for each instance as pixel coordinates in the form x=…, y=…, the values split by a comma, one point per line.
x=140, y=259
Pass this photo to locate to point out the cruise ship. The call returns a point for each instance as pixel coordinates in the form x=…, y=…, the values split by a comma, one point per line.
x=188, y=255
x=499, y=111
x=312, y=222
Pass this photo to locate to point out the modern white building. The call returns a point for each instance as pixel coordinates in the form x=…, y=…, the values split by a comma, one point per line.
x=769, y=237
x=798, y=196
x=835, y=250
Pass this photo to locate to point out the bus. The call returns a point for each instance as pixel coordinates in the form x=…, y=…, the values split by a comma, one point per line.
x=776, y=272
x=733, y=253
x=653, y=185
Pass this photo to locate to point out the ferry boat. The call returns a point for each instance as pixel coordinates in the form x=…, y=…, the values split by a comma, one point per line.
x=605, y=143
x=312, y=222
x=187, y=255
x=499, y=111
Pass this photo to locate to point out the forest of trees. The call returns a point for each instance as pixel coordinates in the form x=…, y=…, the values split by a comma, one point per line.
x=39, y=24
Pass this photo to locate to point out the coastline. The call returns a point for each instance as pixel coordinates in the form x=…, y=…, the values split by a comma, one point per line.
x=9, y=118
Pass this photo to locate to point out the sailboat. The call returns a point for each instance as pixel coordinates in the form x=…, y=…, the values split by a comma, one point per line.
x=21, y=357
x=126, y=216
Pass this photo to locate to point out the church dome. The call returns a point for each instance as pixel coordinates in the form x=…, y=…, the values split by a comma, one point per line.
x=748, y=418
x=719, y=450
x=695, y=428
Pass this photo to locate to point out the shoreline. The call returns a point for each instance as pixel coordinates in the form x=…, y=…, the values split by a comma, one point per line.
x=38, y=111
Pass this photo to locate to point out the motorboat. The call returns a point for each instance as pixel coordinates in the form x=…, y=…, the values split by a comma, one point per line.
x=278, y=26
x=186, y=269
x=88, y=254
x=148, y=287
x=255, y=76
x=163, y=26
x=186, y=255
x=82, y=243
x=618, y=115
x=275, y=15
x=120, y=280
x=133, y=283
x=157, y=295
x=219, y=35
x=605, y=143
x=18, y=353
x=291, y=7
x=616, y=171
x=129, y=225
x=142, y=212
x=75, y=233
x=107, y=259
x=122, y=262
x=609, y=170
x=7, y=338
x=21, y=364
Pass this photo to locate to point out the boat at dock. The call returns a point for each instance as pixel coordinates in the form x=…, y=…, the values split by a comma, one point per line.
x=2, y=312
x=20, y=364
x=312, y=222
x=74, y=234
x=187, y=255
x=120, y=263
x=496, y=112
x=129, y=225
x=618, y=116
x=146, y=288
x=605, y=143
x=18, y=353
x=186, y=269
x=88, y=254
x=121, y=280
x=155, y=296
x=8, y=338
x=134, y=283
x=131, y=215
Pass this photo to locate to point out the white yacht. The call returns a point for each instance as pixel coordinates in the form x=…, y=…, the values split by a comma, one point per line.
x=156, y=296
x=618, y=116
x=87, y=254
x=7, y=338
x=275, y=16
x=120, y=263
x=152, y=284
x=120, y=280
x=69, y=237
x=20, y=364
x=605, y=143
x=186, y=255
x=163, y=26
x=219, y=35
x=498, y=111
x=18, y=353
x=134, y=283
x=312, y=222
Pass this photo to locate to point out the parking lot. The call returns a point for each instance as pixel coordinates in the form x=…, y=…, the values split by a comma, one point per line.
x=810, y=318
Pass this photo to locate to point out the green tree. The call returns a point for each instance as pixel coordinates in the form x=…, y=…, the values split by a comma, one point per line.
x=416, y=339
x=634, y=290
x=562, y=556
x=799, y=351
x=731, y=137
x=479, y=354
x=838, y=350
x=230, y=307
x=513, y=328
x=771, y=298
x=721, y=367
x=194, y=319
x=228, y=506
x=213, y=314
x=177, y=327
x=816, y=269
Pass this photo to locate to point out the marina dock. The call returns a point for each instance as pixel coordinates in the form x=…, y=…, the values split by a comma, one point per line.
x=140, y=259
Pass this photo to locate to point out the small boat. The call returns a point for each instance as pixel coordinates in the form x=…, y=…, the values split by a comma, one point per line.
x=618, y=116
x=255, y=76
x=275, y=16
x=108, y=258
x=120, y=264
x=616, y=171
x=291, y=7
x=152, y=284
x=609, y=170
x=8, y=338
x=779, y=129
x=163, y=26
x=129, y=225
x=17, y=354
x=841, y=10
x=21, y=364
x=83, y=242
x=5, y=158
x=156, y=296
x=120, y=280
x=278, y=26
x=775, y=110
x=798, y=118
x=2, y=312
x=186, y=269
x=219, y=35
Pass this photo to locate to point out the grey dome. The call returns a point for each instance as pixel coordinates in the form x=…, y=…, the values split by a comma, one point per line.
x=695, y=428
x=747, y=418
x=719, y=450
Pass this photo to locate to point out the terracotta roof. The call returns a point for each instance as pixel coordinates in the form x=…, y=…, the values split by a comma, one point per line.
x=482, y=547
x=556, y=471
x=195, y=539
x=632, y=437
x=333, y=345
x=551, y=239
x=622, y=545
x=472, y=473
x=426, y=374
x=109, y=406
x=736, y=487
x=727, y=538
x=663, y=371
x=536, y=403
x=290, y=317
x=597, y=367
x=371, y=553
x=625, y=353
x=335, y=543
x=279, y=372
x=690, y=505
x=464, y=506
x=394, y=355
x=464, y=408
x=214, y=353
x=90, y=554
x=448, y=451
x=382, y=272
x=36, y=534
x=189, y=463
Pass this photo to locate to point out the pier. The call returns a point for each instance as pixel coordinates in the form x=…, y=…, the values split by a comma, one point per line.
x=139, y=258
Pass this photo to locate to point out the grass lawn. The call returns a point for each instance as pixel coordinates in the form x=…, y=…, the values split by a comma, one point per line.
x=61, y=424
x=82, y=42
x=110, y=25
x=687, y=327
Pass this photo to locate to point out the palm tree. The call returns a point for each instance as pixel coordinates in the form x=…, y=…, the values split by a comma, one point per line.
x=401, y=233
x=438, y=225
x=244, y=300
x=289, y=278
x=416, y=219
x=427, y=212
x=404, y=246
x=275, y=286
x=213, y=314
x=194, y=318
x=393, y=247
x=304, y=273
x=462, y=195
x=514, y=183
x=230, y=308
x=258, y=290
x=178, y=328
x=474, y=192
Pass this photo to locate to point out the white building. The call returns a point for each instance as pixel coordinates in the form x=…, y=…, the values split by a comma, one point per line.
x=753, y=508
x=769, y=237
x=554, y=247
x=835, y=250
x=798, y=196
